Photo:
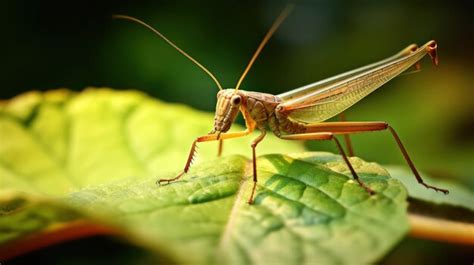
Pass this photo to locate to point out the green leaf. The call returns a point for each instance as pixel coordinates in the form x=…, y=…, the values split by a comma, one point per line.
x=94, y=157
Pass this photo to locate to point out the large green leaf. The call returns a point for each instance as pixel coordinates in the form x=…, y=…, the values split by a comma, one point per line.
x=94, y=157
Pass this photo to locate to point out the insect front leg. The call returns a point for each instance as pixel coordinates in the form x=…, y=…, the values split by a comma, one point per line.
x=254, y=144
x=192, y=151
x=220, y=147
x=329, y=136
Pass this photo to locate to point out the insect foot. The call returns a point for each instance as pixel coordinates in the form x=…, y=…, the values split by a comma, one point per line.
x=167, y=181
x=445, y=191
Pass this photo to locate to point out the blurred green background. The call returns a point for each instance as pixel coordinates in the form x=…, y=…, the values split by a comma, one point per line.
x=75, y=44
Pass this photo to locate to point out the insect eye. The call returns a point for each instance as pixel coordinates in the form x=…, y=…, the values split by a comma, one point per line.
x=236, y=100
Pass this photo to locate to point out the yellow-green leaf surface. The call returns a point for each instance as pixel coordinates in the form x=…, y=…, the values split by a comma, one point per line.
x=96, y=155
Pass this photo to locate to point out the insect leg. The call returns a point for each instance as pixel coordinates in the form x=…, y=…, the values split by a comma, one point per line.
x=347, y=138
x=254, y=144
x=219, y=148
x=192, y=152
x=411, y=164
x=358, y=127
x=191, y=156
x=329, y=136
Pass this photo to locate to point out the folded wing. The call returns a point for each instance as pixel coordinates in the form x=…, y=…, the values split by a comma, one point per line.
x=322, y=100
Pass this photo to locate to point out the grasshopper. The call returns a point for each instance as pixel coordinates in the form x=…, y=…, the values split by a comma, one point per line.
x=299, y=114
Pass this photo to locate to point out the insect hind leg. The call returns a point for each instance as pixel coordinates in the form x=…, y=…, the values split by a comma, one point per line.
x=359, y=127
x=347, y=138
x=328, y=136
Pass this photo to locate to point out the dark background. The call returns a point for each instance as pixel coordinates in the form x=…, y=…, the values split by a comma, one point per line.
x=75, y=44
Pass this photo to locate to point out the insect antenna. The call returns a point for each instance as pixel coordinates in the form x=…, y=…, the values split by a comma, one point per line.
x=269, y=34
x=136, y=20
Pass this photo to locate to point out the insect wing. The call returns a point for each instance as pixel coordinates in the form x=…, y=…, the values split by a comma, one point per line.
x=298, y=92
x=330, y=100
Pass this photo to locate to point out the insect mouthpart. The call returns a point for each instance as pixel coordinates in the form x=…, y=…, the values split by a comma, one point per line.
x=221, y=125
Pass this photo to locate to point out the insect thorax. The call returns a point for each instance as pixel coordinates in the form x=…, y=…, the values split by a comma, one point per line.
x=263, y=108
